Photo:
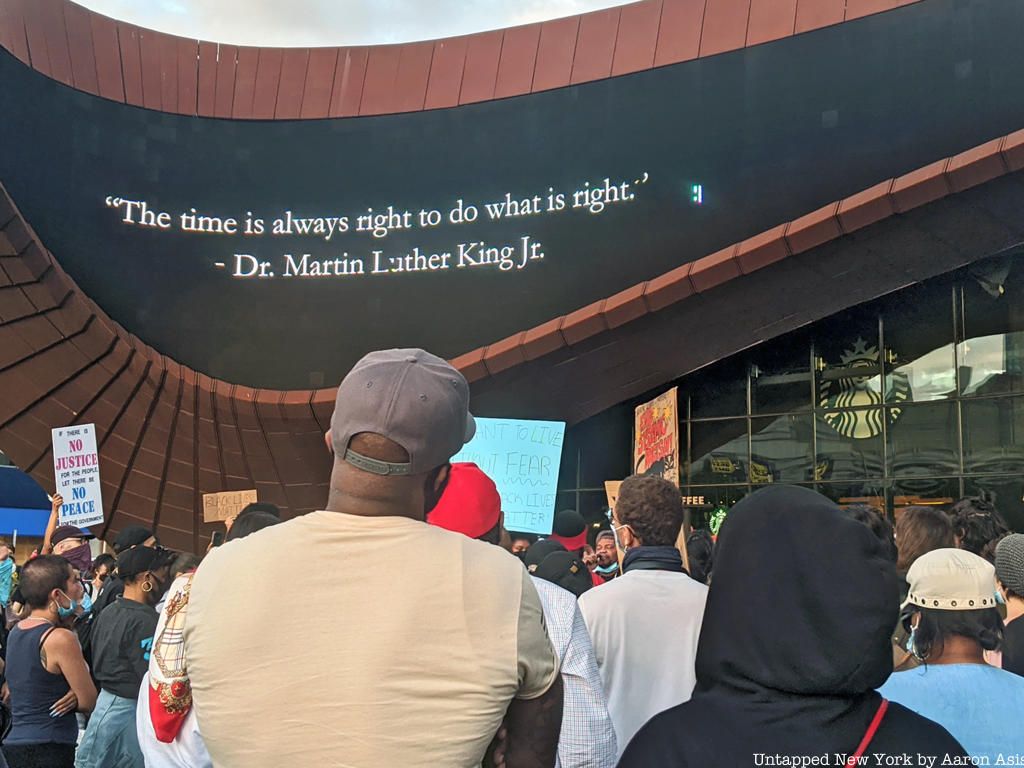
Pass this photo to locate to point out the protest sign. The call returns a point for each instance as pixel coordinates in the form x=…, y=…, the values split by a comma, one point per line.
x=611, y=490
x=76, y=472
x=522, y=458
x=656, y=438
x=223, y=506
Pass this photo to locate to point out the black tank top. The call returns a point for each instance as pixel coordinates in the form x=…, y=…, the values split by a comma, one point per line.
x=34, y=691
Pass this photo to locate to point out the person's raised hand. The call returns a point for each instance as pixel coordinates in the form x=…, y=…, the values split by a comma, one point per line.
x=56, y=503
x=589, y=557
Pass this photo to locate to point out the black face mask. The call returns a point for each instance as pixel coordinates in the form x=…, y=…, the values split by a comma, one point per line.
x=431, y=497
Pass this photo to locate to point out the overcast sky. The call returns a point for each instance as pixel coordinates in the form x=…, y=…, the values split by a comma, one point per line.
x=334, y=22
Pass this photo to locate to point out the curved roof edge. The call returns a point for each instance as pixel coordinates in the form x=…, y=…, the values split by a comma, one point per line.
x=830, y=222
x=145, y=68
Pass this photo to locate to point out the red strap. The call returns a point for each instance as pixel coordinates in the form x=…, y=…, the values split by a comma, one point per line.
x=869, y=734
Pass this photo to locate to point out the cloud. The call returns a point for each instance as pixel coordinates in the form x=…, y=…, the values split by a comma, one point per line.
x=334, y=22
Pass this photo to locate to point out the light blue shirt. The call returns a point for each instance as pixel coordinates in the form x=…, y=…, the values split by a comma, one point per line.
x=587, y=738
x=983, y=707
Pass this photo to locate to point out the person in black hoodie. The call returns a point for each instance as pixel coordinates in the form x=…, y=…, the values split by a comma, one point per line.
x=794, y=643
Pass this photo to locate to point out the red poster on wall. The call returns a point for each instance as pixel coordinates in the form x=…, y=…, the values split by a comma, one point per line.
x=656, y=437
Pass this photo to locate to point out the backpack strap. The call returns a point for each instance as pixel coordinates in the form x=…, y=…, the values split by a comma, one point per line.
x=869, y=734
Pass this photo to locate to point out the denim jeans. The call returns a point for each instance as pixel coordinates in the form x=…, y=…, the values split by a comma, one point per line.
x=110, y=740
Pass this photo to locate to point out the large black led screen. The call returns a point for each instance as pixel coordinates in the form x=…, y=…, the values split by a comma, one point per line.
x=276, y=253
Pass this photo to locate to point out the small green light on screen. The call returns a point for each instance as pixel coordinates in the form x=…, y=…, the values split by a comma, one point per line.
x=697, y=194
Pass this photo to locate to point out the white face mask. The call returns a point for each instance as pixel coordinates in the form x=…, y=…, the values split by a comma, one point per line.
x=615, y=533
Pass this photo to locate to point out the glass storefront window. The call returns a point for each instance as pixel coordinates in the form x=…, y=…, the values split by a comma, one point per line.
x=848, y=362
x=780, y=376
x=720, y=390
x=991, y=355
x=781, y=449
x=568, y=469
x=918, y=332
x=870, y=492
x=718, y=451
x=993, y=435
x=929, y=377
x=914, y=399
x=566, y=500
x=716, y=498
x=592, y=504
x=987, y=364
x=593, y=437
x=849, y=444
x=924, y=492
x=923, y=440
x=594, y=507
x=1007, y=494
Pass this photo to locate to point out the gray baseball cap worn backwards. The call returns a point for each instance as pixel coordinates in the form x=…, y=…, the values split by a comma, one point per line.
x=412, y=398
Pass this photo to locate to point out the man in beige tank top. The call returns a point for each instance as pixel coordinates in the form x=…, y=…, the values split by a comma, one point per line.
x=406, y=644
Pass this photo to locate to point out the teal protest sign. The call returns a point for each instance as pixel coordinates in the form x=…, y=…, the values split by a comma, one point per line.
x=522, y=458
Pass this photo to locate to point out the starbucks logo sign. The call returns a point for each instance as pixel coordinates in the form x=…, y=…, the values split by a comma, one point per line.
x=853, y=391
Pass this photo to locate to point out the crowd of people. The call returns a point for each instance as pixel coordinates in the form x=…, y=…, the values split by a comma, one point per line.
x=413, y=629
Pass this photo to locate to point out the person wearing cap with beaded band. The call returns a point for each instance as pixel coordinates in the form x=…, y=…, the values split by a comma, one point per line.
x=415, y=641
x=954, y=621
x=1010, y=579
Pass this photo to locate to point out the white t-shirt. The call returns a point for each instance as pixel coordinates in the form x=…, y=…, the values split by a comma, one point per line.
x=340, y=640
x=644, y=627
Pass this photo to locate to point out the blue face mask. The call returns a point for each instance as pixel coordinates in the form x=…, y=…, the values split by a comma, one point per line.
x=606, y=569
x=63, y=612
x=999, y=598
x=87, y=603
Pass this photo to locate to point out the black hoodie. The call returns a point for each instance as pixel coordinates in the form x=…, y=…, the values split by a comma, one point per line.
x=795, y=641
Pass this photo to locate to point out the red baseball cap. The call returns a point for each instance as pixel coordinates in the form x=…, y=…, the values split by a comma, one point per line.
x=470, y=503
x=570, y=530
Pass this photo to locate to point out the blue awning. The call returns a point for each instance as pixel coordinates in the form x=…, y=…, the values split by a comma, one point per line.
x=27, y=522
x=24, y=506
x=18, y=489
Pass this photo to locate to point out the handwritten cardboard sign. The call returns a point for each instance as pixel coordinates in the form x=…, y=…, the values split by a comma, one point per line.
x=221, y=506
x=76, y=471
x=611, y=490
x=522, y=458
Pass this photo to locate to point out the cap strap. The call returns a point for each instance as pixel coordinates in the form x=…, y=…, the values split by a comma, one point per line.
x=375, y=466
